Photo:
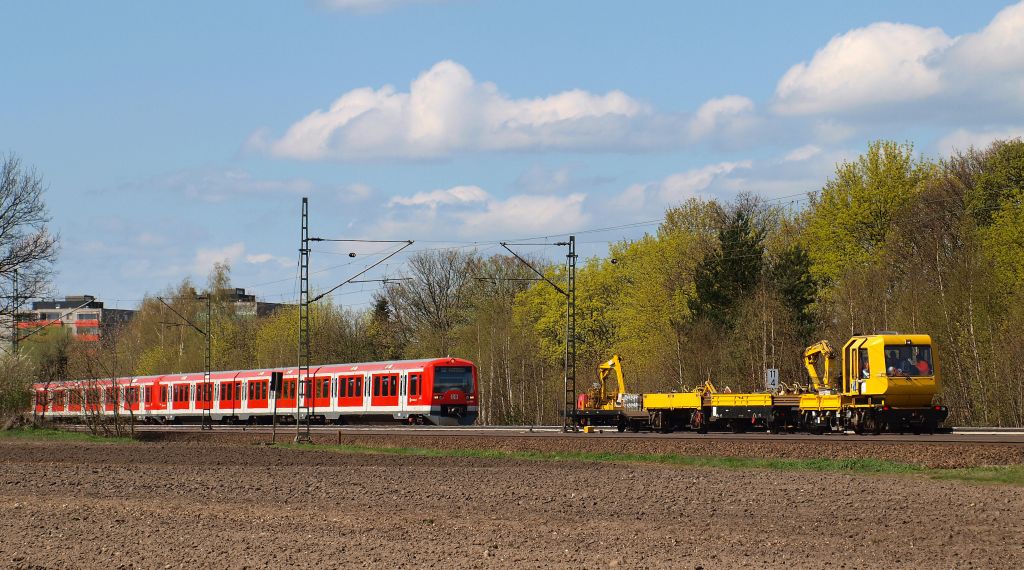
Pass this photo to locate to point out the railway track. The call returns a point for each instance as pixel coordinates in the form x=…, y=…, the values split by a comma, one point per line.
x=1005, y=436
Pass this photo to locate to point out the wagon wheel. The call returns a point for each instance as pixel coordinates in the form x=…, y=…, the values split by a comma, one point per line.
x=872, y=425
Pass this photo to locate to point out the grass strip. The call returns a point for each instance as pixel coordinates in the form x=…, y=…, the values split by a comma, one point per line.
x=1010, y=475
x=1005, y=475
x=49, y=434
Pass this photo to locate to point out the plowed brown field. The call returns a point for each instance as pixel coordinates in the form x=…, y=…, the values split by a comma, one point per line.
x=236, y=505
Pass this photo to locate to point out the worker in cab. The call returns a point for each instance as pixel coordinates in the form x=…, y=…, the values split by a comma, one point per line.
x=923, y=368
x=865, y=372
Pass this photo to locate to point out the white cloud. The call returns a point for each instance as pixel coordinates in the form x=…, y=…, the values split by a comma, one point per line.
x=528, y=214
x=455, y=195
x=880, y=63
x=206, y=258
x=356, y=192
x=720, y=114
x=675, y=188
x=802, y=153
x=470, y=212
x=999, y=46
x=232, y=254
x=911, y=70
x=261, y=258
x=963, y=139
x=683, y=185
x=446, y=110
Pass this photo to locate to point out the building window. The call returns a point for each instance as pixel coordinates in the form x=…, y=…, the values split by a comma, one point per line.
x=88, y=316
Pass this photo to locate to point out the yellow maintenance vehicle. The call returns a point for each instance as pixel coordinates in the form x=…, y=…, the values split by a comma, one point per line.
x=876, y=383
x=601, y=405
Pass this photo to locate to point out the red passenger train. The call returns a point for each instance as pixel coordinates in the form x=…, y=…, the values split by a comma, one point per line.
x=440, y=391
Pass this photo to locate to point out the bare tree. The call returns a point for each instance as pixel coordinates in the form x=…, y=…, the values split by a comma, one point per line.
x=27, y=248
x=431, y=303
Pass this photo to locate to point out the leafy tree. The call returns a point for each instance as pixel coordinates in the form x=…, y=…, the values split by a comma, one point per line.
x=998, y=204
x=850, y=220
x=999, y=180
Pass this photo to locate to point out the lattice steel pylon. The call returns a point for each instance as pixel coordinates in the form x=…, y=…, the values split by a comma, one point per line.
x=302, y=399
x=569, y=410
x=207, y=391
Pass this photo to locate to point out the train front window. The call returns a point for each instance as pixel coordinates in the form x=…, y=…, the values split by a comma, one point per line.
x=453, y=378
x=908, y=360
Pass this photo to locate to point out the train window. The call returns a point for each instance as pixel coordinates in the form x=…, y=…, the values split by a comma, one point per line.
x=325, y=388
x=394, y=383
x=414, y=384
x=376, y=386
x=908, y=360
x=351, y=387
x=453, y=378
x=359, y=387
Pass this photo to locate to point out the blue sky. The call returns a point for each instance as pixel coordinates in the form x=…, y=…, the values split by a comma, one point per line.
x=172, y=135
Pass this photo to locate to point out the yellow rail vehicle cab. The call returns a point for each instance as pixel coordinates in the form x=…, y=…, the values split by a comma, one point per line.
x=894, y=369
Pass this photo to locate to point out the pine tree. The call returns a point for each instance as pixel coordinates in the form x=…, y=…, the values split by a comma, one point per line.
x=723, y=277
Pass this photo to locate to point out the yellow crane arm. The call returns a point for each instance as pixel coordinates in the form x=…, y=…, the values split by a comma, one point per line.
x=827, y=354
x=613, y=366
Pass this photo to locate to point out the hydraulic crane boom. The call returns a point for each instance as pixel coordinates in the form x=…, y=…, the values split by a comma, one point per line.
x=823, y=351
x=613, y=366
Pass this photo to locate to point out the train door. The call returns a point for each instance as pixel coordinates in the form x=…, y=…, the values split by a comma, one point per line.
x=228, y=394
x=854, y=367
x=385, y=390
x=258, y=395
x=402, y=392
x=350, y=393
x=320, y=392
x=287, y=396
x=367, y=392
x=414, y=388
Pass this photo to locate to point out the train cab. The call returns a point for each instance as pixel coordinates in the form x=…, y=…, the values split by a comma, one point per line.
x=890, y=368
x=451, y=385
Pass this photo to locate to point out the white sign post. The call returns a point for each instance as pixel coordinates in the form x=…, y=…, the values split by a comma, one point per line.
x=771, y=379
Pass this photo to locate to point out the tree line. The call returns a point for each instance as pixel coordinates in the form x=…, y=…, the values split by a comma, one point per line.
x=721, y=290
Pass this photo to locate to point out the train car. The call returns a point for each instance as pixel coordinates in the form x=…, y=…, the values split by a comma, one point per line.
x=439, y=391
